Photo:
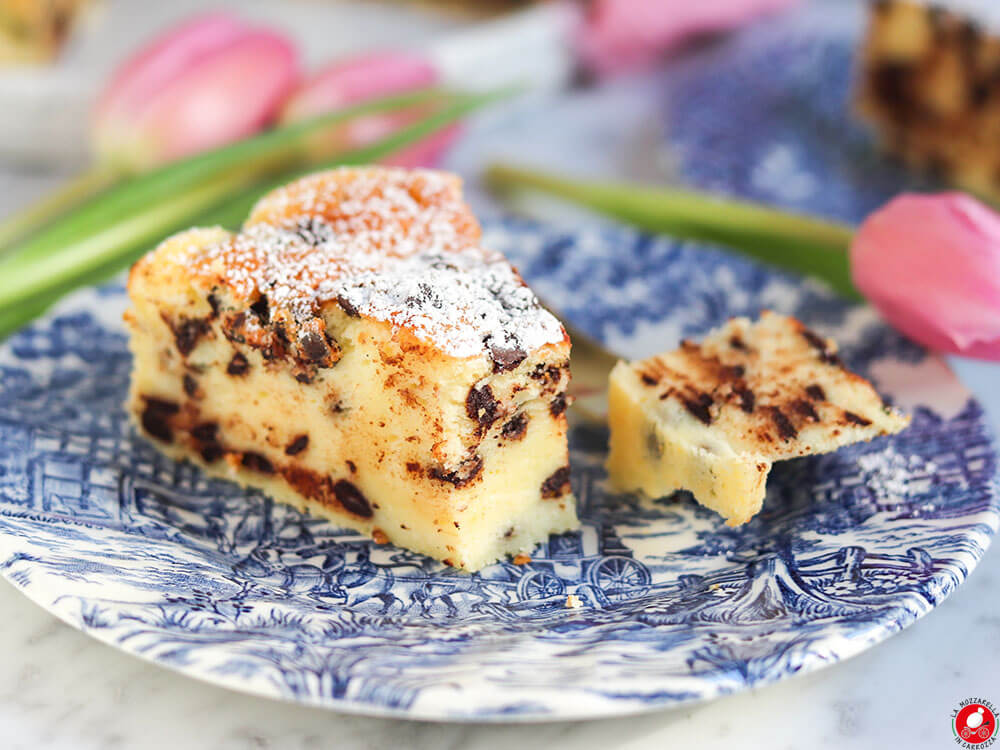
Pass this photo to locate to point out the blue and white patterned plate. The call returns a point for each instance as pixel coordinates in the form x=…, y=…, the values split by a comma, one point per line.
x=201, y=576
x=226, y=586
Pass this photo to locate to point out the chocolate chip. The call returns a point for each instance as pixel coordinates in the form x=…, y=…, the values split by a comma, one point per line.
x=262, y=309
x=187, y=332
x=698, y=405
x=806, y=409
x=556, y=485
x=735, y=371
x=257, y=462
x=786, y=430
x=505, y=359
x=352, y=467
x=206, y=432
x=654, y=446
x=822, y=346
x=467, y=472
x=414, y=468
x=814, y=339
x=348, y=308
x=281, y=333
x=213, y=302
x=190, y=384
x=816, y=392
x=938, y=167
x=304, y=377
x=648, y=379
x=233, y=328
x=313, y=230
x=351, y=498
x=238, y=365
x=211, y=452
x=970, y=34
x=746, y=396
x=857, y=419
x=274, y=349
x=551, y=374
x=737, y=343
x=890, y=81
x=156, y=416
x=313, y=346
x=515, y=427
x=558, y=405
x=481, y=406
x=979, y=94
x=299, y=444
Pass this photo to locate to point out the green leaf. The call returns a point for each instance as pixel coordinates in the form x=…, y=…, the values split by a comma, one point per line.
x=811, y=246
x=57, y=203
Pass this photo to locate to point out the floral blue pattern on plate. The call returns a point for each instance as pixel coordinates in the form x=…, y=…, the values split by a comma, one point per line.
x=225, y=585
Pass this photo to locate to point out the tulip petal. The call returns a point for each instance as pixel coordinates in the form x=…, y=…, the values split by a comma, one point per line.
x=164, y=58
x=210, y=81
x=931, y=265
x=358, y=79
x=230, y=95
x=620, y=34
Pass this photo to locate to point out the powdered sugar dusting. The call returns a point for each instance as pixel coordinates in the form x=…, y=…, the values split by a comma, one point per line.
x=891, y=475
x=394, y=245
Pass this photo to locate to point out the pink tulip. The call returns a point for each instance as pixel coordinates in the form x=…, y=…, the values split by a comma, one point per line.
x=621, y=34
x=931, y=265
x=210, y=81
x=370, y=76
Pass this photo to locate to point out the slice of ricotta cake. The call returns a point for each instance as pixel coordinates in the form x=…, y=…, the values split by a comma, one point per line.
x=712, y=418
x=355, y=352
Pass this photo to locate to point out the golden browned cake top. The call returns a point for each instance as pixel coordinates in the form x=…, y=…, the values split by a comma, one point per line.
x=773, y=388
x=389, y=244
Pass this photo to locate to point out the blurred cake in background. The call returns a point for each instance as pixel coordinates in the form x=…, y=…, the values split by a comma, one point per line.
x=930, y=86
x=33, y=31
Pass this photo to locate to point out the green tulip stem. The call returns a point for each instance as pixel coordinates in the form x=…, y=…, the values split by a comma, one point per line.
x=22, y=283
x=64, y=198
x=809, y=245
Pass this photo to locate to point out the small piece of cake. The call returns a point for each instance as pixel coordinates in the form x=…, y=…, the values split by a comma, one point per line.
x=930, y=85
x=355, y=352
x=712, y=418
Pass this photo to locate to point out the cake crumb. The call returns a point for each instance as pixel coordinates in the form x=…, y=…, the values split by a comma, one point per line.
x=522, y=559
x=379, y=536
x=573, y=602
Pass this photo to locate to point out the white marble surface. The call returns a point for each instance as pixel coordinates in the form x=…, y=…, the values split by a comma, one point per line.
x=61, y=690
